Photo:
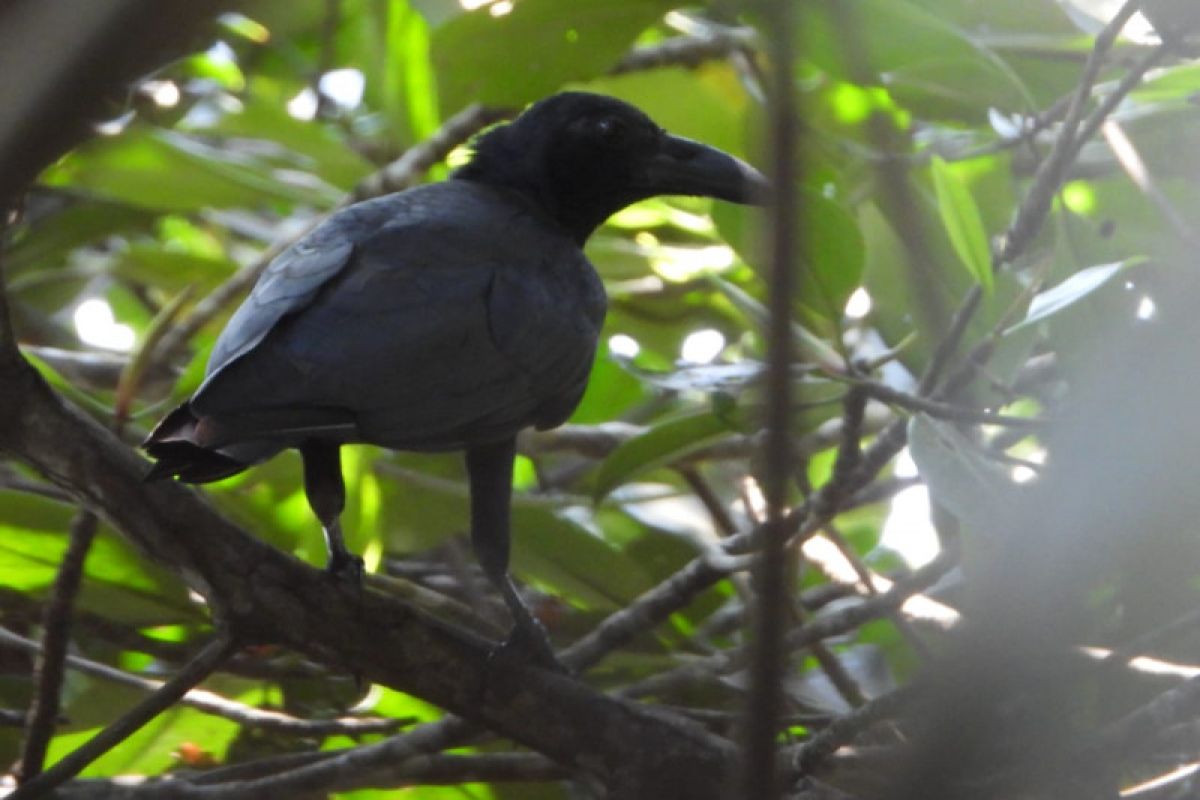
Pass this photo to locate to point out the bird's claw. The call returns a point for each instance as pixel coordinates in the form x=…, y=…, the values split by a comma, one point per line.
x=526, y=646
x=346, y=568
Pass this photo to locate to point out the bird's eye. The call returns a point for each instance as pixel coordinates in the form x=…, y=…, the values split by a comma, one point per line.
x=610, y=130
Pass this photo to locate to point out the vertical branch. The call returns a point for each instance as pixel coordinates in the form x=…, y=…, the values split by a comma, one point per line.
x=759, y=767
x=56, y=634
x=8, y=341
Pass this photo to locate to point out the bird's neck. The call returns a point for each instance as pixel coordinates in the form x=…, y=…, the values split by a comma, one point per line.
x=578, y=216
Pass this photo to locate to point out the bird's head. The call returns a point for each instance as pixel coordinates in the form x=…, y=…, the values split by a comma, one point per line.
x=582, y=157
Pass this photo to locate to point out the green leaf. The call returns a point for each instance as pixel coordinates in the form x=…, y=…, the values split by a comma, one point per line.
x=48, y=241
x=961, y=479
x=310, y=146
x=152, y=748
x=150, y=264
x=166, y=170
x=547, y=546
x=531, y=51
x=963, y=223
x=832, y=252
x=665, y=443
x=811, y=346
x=1066, y=294
x=115, y=578
x=928, y=63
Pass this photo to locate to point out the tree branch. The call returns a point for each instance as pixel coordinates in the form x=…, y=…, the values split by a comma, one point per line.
x=211, y=657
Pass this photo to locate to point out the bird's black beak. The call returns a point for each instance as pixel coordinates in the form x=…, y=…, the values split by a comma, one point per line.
x=682, y=166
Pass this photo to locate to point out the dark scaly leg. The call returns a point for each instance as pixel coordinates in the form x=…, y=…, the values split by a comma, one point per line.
x=489, y=469
x=326, y=493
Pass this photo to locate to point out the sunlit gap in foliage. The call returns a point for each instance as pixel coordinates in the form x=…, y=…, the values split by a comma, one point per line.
x=832, y=562
x=165, y=94
x=702, y=346
x=859, y=304
x=623, y=346
x=1147, y=665
x=221, y=53
x=95, y=325
x=304, y=105
x=343, y=86
x=1155, y=786
x=908, y=530
x=829, y=558
x=680, y=264
x=497, y=8
x=1093, y=15
x=115, y=126
x=1022, y=473
x=1146, y=308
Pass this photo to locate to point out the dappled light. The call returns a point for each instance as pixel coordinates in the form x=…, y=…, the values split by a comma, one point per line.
x=601, y=400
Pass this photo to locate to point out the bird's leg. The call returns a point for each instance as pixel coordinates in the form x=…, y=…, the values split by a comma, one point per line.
x=489, y=469
x=326, y=493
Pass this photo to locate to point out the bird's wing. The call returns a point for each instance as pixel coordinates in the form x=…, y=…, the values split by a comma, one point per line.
x=438, y=330
x=292, y=280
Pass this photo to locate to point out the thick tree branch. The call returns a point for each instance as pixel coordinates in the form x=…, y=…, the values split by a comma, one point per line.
x=263, y=595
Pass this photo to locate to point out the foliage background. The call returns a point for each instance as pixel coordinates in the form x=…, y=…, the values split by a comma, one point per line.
x=924, y=124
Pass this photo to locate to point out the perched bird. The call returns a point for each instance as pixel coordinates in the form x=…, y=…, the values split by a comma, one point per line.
x=445, y=317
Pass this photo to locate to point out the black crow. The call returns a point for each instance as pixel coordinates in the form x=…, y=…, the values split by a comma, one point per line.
x=445, y=317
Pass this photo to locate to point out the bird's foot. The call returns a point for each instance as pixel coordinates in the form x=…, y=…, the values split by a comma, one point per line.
x=529, y=645
x=346, y=568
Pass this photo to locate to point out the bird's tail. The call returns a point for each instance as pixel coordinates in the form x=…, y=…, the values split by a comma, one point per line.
x=174, y=444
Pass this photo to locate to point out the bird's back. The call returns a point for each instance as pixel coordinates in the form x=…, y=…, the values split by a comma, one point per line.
x=430, y=319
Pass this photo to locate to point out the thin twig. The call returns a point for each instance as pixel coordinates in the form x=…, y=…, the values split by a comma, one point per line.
x=823, y=626
x=843, y=730
x=704, y=492
x=207, y=660
x=49, y=667
x=1049, y=176
x=946, y=411
x=354, y=768
x=211, y=703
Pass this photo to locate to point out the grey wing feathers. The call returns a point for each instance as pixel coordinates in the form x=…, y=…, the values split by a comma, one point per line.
x=295, y=277
x=289, y=284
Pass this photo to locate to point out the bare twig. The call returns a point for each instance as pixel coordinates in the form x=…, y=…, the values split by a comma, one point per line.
x=823, y=626
x=946, y=411
x=1048, y=178
x=49, y=669
x=211, y=703
x=207, y=660
x=843, y=730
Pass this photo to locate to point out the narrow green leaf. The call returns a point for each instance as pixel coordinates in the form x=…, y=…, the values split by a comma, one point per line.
x=1066, y=294
x=964, y=225
x=664, y=443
